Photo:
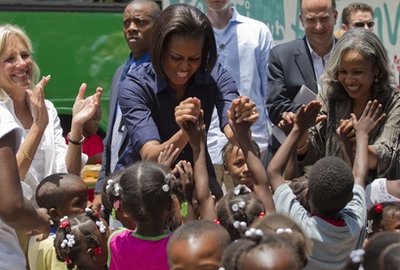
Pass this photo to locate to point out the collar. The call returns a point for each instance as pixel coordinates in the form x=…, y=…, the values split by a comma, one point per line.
x=313, y=53
x=340, y=222
x=143, y=59
x=4, y=97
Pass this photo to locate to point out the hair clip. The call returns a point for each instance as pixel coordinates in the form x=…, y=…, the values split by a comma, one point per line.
x=235, y=207
x=262, y=214
x=69, y=241
x=369, y=226
x=239, y=224
x=67, y=260
x=117, y=187
x=284, y=230
x=165, y=187
x=357, y=255
x=98, y=251
x=378, y=208
x=102, y=227
x=64, y=222
x=254, y=232
x=88, y=210
x=241, y=189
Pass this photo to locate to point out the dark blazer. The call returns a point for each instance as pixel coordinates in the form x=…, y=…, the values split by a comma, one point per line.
x=106, y=158
x=290, y=66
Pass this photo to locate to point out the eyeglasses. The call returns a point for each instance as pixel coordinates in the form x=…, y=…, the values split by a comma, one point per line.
x=363, y=24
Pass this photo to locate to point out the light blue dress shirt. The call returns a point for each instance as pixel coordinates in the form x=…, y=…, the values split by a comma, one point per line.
x=243, y=49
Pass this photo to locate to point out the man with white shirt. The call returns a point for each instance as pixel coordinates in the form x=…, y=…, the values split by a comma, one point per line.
x=243, y=46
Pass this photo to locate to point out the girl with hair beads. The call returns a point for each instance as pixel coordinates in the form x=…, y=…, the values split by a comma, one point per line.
x=259, y=251
x=81, y=241
x=240, y=207
x=145, y=191
x=112, y=210
x=287, y=228
x=383, y=217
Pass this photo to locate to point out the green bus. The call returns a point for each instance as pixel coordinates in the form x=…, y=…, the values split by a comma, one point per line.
x=74, y=41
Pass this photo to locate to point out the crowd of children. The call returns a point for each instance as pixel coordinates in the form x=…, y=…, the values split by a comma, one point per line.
x=169, y=220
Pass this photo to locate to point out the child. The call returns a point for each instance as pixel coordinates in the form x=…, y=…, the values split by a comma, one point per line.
x=258, y=251
x=338, y=213
x=112, y=210
x=235, y=165
x=61, y=194
x=383, y=217
x=375, y=246
x=390, y=259
x=198, y=244
x=145, y=190
x=240, y=207
x=287, y=228
x=81, y=241
x=382, y=190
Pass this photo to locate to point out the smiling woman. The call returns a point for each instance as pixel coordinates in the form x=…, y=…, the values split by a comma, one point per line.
x=182, y=78
x=357, y=72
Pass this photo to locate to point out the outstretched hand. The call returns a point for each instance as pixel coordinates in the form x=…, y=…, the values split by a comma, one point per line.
x=85, y=108
x=37, y=103
x=241, y=115
x=168, y=155
x=370, y=119
x=308, y=115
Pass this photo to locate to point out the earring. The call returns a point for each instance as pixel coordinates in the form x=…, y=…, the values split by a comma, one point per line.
x=376, y=79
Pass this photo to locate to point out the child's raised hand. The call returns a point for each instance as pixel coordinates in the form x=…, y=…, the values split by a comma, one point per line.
x=184, y=172
x=308, y=115
x=241, y=115
x=196, y=131
x=371, y=117
x=168, y=155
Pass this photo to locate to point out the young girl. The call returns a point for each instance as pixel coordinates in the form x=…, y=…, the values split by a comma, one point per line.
x=145, y=191
x=240, y=207
x=112, y=210
x=81, y=241
x=287, y=228
x=259, y=251
x=383, y=217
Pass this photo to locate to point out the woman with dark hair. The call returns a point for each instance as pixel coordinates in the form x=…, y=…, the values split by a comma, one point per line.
x=183, y=78
x=357, y=72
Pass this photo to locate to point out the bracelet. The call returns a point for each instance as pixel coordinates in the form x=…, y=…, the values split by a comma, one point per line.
x=26, y=155
x=76, y=142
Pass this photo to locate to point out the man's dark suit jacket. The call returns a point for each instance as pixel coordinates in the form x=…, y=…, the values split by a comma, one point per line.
x=290, y=66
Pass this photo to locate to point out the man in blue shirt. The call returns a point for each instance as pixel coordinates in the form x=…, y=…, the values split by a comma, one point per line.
x=138, y=20
x=243, y=46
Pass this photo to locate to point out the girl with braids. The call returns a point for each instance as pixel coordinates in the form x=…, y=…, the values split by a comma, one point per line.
x=81, y=241
x=259, y=251
x=145, y=191
x=240, y=206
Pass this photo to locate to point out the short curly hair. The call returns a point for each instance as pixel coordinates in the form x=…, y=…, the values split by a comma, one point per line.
x=330, y=185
